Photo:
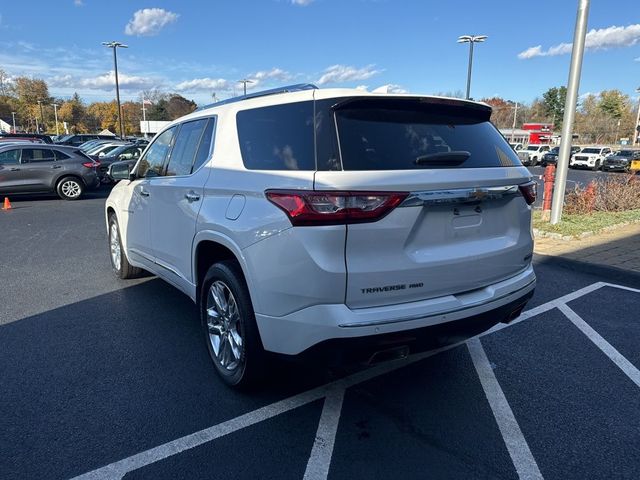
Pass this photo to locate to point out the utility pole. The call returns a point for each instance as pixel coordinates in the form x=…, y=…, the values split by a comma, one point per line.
x=570, y=110
x=144, y=117
x=55, y=113
x=37, y=126
x=41, y=115
x=13, y=114
x=515, y=114
x=115, y=45
x=244, y=82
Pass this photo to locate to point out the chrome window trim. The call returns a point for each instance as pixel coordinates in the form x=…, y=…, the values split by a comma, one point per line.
x=458, y=195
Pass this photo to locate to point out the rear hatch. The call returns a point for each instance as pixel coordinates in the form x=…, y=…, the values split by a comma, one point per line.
x=464, y=223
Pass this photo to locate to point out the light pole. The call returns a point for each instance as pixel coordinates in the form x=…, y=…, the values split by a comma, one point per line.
x=55, y=113
x=115, y=45
x=471, y=40
x=570, y=111
x=635, y=127
x=244, y=82
x=41, y=116
x=13, y=114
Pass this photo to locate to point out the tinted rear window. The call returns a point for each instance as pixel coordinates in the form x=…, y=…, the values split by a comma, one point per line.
x=279, y=137
x=393, y=139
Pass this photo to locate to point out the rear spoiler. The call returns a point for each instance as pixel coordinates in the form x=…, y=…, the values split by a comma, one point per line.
x=451, y=106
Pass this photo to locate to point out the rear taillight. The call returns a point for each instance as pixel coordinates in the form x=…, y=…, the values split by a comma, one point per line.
x=529, y=192
x=92, y=164
x=334, y=208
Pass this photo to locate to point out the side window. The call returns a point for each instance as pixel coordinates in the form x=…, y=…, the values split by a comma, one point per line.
x=9, y=157
x=185, y=147
x=60, y=156
x=152, y=163
x=35, y=155
x=279, y=137
x=205, y=146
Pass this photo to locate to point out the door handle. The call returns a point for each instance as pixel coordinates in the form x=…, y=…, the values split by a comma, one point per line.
x=57, y=166
x=192, y=197
x=14, y=169
x=144, y=193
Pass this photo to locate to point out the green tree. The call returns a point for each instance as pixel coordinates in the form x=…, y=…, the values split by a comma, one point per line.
x=553, y=101
x=159, y=110
x=74, y=113
x=612, y=103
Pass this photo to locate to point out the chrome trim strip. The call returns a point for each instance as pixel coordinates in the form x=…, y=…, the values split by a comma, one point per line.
x=458, y=195
x=442, y=312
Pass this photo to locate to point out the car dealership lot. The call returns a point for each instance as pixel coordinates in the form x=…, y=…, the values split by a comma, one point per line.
x=98, y=372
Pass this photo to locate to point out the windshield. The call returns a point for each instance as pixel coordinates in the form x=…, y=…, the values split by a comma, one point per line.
x=625, y=153
x=555, y=150
x=533, y=148
x=591, y=150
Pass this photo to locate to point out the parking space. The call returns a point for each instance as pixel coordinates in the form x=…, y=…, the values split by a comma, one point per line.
x=110, y=379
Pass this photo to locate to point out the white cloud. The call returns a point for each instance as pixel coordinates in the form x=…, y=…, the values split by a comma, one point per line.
x=203, y=84
x=302, y=3
x=362, y=88
x=149, y=21
x=390, y=88
x=78, y=3
x=347, y=73
x=610, y=37
x=102, y=82
x=637, y=59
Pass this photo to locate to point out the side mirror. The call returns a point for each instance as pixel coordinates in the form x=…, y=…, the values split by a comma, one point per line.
x=120, y=171
x=101, y=154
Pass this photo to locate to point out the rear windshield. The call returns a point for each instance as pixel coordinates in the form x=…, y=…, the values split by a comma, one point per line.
x=418, y=138
x=591, y=150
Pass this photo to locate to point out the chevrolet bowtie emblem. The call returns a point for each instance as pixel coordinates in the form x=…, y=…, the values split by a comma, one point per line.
x=478, y=194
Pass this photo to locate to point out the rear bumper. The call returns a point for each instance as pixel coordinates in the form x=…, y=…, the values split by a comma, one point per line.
x=294, y=333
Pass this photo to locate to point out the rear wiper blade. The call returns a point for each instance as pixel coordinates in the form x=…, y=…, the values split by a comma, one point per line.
x=443, y=158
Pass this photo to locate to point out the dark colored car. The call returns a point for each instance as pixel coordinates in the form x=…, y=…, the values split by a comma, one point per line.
x=26, y=136
x=31, y=168
x=551, y=158
x=129, y=153
x=620, y=161
x=79, y=138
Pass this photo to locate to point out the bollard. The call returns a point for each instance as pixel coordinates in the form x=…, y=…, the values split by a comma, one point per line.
x=548, y=178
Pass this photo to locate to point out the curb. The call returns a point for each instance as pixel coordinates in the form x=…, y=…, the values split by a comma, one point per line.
x=537, y=233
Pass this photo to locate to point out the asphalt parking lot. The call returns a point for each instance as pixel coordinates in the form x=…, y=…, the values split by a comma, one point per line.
x=103, y=378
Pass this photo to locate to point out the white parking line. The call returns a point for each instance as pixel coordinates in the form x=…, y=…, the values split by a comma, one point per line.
x=616, y=357
x=118, y=469
x=517, y=446
x=320, y=459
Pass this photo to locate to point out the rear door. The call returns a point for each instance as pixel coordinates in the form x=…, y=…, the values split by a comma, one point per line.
x=464, y=224
x=39, y=167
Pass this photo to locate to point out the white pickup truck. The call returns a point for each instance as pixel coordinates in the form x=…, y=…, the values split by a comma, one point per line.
x=590, y=157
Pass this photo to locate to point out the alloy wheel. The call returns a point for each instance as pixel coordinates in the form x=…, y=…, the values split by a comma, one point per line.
x=224, y=326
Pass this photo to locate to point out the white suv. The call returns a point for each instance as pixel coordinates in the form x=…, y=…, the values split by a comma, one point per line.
x=536, y=152
x=590, y=157
x=334, y=222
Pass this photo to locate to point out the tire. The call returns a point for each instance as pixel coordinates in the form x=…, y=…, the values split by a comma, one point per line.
x=596, y=167
x=119, y=262
x=232, y=339
x=70, y=188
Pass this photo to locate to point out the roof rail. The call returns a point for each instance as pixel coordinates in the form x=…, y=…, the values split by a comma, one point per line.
x=274, y=91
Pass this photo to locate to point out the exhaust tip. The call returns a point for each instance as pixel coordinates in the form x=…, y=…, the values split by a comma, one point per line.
x=395, y=353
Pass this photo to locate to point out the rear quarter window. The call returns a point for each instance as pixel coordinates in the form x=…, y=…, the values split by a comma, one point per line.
x=395, y=138
x=278, y=137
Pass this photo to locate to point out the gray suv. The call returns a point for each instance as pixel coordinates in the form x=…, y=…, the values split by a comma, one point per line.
x=27, y=168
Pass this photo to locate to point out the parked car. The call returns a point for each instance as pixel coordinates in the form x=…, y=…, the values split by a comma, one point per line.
x=99, y=151
x=551, y=158
x=79, y=138
x=330, y=222
x=124, y=153
x=29, y=168
x=34, y=137
x=590, y=157
x=620, y=161
x=536, y=152
x=89, y=144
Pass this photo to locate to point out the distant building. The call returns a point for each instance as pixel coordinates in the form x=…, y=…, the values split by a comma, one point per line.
x=539, y=132
x=5, y=126
x=152, y=126
x=515, y=135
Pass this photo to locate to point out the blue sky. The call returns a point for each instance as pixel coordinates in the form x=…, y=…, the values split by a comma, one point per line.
x=198, y=47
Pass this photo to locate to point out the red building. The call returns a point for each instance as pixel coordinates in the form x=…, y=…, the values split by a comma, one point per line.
x=539, y=132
